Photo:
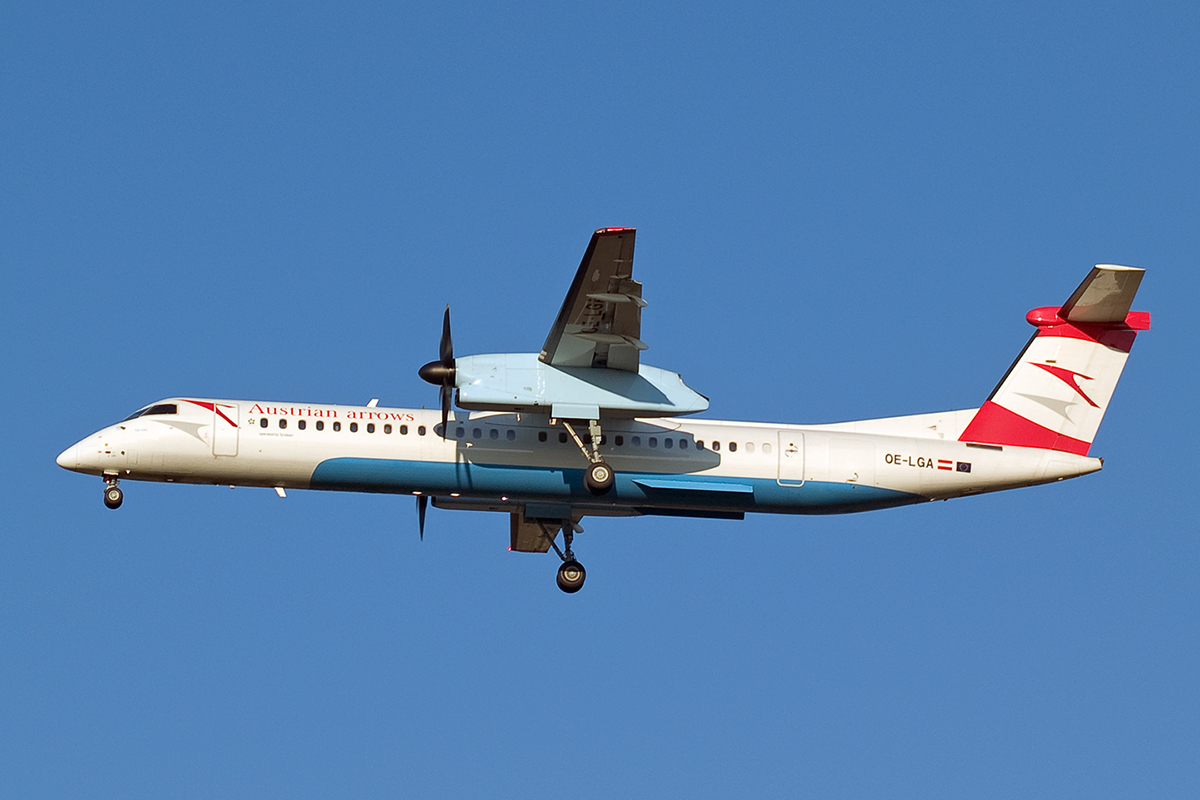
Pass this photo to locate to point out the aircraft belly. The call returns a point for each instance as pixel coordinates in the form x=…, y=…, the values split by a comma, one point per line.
x=632, y=490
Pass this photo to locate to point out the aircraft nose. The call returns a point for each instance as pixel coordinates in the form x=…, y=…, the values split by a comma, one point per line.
x=69, y=458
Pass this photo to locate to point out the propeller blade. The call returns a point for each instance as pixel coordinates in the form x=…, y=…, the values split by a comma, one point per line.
x=422, y=504
x=442, y=372
x=446, y=347
x=447, y=399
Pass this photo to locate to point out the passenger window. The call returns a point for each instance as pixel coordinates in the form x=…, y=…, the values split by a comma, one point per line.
x=420, y=431
x=476, y=433
x=668, y=443
x=337, y=426
x=354, y=427
x=749, y=447
x=387, y=429
x=320, y=424
x=562, y=438
x=733, y=447
x=461, y=433
x=716, y=446
x=301, y=424
x=683, y=444
x=541, y=436
x=699, y=444
x=404, y=430
x=370, y=427
x=637, y=441
x=620, y=440
x=282, y=423
x=511, y=435
x=766, y=448
x=493, y=433
x=264, y=422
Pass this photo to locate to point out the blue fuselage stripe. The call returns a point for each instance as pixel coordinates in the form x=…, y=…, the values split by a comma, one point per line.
x=551, y=484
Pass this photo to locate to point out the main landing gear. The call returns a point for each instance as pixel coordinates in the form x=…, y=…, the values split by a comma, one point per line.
x=599, y=477
x=571, y=573
x=113, y=496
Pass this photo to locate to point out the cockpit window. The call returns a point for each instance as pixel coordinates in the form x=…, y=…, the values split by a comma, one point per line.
x=161, y=408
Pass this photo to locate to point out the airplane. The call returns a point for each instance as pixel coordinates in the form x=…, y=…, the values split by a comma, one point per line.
x=584, y=428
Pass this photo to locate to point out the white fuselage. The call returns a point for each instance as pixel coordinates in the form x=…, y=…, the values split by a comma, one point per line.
x=505, y=461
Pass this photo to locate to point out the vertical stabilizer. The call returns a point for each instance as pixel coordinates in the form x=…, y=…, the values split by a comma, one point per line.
x=1056, y=392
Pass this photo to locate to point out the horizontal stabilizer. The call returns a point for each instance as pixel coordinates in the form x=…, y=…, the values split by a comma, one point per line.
x=1105, y=296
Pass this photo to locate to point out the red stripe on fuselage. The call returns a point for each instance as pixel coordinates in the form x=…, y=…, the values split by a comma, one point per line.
x=212, y=407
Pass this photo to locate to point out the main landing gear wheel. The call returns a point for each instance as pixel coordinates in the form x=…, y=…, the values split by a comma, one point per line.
x=113, y=497
x=571, y=576
x=598, y=478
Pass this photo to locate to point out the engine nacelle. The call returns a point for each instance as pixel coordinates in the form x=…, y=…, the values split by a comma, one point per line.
x=521, y=382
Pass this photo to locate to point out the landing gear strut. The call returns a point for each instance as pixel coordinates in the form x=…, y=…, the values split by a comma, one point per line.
x=112, y=493
x=571, y=573
x=599, y=477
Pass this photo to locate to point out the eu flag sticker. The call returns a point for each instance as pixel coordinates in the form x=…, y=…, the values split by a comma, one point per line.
x=964, y=466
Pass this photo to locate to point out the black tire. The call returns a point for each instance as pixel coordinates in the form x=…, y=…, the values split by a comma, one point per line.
x=113, y=497
x=599, y=478
x=571, y=576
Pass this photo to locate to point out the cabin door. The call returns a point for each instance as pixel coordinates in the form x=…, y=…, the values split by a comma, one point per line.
x=225, y=429
x=791, y=458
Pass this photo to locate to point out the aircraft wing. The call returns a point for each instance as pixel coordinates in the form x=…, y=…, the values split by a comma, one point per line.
x=600, y=322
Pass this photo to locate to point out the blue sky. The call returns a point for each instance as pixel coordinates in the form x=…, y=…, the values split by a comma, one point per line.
x=844, y=212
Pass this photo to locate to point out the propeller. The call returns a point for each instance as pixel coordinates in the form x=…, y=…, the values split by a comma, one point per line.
x=441, y=372
x=422, y=504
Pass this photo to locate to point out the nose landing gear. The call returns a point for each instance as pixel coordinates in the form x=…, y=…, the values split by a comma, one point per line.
x=113, y=496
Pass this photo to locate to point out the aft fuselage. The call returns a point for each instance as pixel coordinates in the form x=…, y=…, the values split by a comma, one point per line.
x=507, y=461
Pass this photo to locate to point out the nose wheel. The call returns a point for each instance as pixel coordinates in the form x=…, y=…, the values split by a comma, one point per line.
x=113, y=496
x=570, y=576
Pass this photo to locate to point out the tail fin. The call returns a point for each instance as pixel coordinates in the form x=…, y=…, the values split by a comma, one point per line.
x=1055, y=394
